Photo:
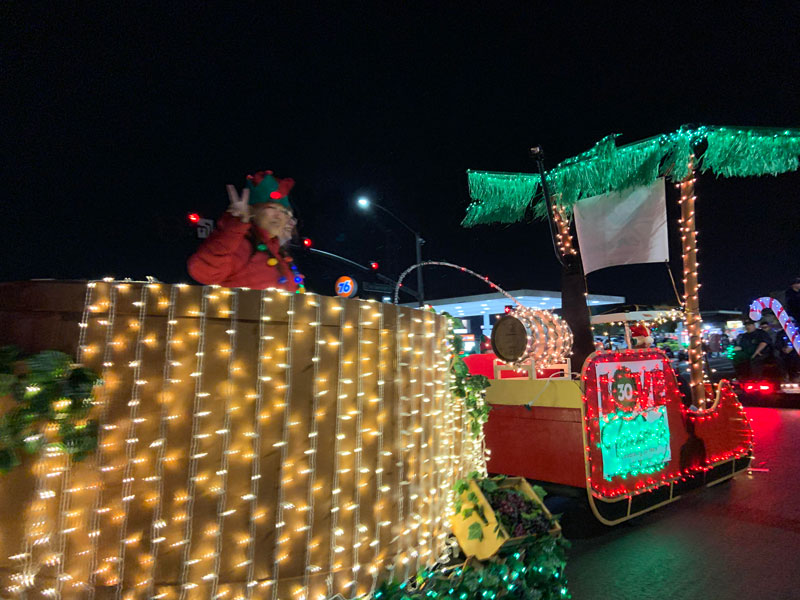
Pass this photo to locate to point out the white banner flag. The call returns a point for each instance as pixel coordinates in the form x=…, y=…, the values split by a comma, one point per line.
x=623, y=228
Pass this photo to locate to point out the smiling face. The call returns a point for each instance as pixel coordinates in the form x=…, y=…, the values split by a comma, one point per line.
x=276, y=219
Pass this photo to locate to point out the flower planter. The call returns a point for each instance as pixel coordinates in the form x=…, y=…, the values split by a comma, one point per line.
x=493, y=536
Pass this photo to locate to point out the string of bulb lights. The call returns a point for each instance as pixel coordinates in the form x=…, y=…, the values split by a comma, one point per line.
x=207, y=393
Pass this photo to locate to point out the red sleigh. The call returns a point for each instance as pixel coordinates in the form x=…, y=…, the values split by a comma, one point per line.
x=631, y=451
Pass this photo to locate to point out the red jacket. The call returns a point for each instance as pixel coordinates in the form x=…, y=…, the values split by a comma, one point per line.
x=227, y=258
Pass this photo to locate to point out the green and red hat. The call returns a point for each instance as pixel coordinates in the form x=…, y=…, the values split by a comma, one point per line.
x=265, y=187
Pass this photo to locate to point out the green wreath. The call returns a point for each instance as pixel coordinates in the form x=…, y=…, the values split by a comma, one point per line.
x=37, y=392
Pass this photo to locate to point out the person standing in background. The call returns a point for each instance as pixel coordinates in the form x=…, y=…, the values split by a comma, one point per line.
x=792, y=300
x=754, y=345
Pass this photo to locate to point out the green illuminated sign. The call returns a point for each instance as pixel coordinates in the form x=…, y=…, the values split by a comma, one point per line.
x=634, y=443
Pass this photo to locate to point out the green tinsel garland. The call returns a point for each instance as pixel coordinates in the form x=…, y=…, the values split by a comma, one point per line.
x=503, y=196
x=744, y=153
x=730, y=152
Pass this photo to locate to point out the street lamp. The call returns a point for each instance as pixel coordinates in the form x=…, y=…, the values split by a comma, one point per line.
x=365, y=203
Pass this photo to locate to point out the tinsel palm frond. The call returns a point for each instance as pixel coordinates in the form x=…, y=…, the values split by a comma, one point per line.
x=499, y=197
x=729, y=152
x=743, y=153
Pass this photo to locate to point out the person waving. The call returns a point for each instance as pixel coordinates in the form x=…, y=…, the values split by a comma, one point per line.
x=248, y=247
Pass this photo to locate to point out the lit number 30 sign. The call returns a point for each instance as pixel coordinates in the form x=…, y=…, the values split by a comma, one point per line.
x=346, y=287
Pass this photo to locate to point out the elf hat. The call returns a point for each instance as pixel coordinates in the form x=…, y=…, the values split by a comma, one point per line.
x=265, y=187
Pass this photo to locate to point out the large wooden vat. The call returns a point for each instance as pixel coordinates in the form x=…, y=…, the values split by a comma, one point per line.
x=253, y=444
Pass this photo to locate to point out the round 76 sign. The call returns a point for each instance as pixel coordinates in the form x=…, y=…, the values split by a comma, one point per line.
x=346, y=287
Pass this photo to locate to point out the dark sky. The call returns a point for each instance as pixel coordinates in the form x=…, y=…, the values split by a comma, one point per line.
x=120, y=118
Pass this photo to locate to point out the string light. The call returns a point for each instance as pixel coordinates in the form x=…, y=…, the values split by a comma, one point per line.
x=337, y=444
x=401, y=450
x=379, y=458
x=439, y=263
x=161, y=443
x=313, y=438
x=202, y=406
x=654, y=389
x=66, y=492
x=356, y=535
x=418, y=475
x=284, y=447
x=226, y=440
x=106, y=400
x=131, y=441
x=549, y=338
x=255, y=467
x=563, y=236
x=194, y=445
x=691, y=286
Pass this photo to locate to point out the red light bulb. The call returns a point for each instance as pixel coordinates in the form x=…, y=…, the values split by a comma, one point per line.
x=194, y=218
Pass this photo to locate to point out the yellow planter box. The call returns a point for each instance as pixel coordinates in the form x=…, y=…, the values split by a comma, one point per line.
x=491, y=541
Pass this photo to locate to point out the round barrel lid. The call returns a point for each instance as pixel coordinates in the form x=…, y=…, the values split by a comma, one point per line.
x=509, y=338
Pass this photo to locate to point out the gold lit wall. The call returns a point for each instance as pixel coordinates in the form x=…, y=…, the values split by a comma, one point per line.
x=253, y=445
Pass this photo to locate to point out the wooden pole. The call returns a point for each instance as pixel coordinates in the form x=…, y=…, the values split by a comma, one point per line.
x=690, y=289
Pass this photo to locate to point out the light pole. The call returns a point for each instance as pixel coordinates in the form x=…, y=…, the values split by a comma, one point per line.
x=365, y=203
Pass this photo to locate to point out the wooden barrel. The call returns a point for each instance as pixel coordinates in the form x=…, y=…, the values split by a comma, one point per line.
x=253, y=444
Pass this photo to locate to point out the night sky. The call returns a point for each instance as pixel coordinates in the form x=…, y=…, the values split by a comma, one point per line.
x=120, y=118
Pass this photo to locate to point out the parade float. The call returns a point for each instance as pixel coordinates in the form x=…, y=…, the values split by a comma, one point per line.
x=260, y=444
x=620, y=429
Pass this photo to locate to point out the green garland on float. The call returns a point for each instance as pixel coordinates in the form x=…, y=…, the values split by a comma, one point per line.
x=724, y=151
x=44, y=390
x=463, y=385
x=534, y=569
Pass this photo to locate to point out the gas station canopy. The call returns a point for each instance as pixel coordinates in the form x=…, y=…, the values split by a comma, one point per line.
x=495, y=303
x=634, y=316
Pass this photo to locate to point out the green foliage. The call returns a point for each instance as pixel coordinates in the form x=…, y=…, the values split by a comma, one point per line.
x=460, y=487
x=475, y=531
x=540, y=491
x=515, y=513
x=46, y=389
x=533, y=570
x=672, y=345
x=468, y=387
x=724, y=151
x=489, y=485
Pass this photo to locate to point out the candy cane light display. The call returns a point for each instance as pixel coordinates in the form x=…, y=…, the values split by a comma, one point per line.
x=759, y=304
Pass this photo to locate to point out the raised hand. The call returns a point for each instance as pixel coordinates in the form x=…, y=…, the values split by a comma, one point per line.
x=239, y=206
